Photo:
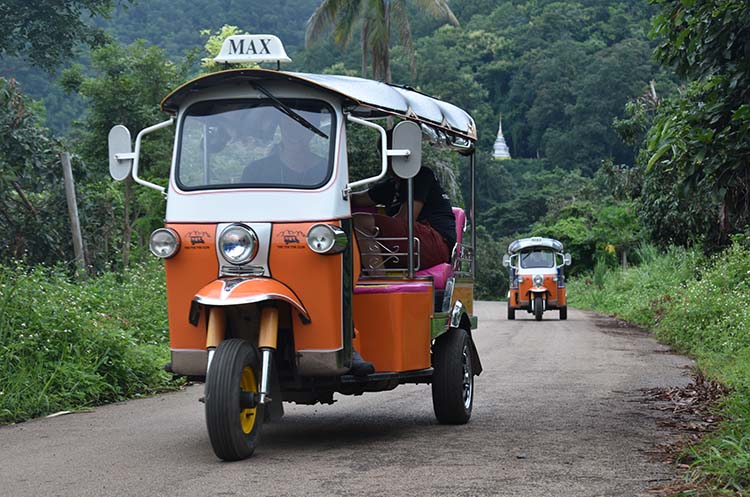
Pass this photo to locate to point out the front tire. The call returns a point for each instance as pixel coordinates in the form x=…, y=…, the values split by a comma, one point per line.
x=511, y=312
x=453, y=378
x=233, y=422
x=538, y=307
x=564, y=313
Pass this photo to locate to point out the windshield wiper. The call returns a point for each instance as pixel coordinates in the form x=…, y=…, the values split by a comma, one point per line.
x=289, y=111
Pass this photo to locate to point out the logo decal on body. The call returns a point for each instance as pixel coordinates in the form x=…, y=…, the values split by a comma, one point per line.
x=290, y=239
x=199, y=240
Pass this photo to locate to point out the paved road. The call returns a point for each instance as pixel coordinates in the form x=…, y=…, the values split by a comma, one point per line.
x=557, y=413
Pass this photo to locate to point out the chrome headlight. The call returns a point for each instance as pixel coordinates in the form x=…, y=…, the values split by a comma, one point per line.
x=164, y=243
x=326, y=239
x=238, y=244
x=538, y=280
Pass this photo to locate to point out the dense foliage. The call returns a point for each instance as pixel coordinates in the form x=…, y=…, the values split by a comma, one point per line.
x=65, y=345
x=46, y=32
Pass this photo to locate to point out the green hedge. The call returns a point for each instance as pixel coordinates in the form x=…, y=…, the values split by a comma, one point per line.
x=67, y=344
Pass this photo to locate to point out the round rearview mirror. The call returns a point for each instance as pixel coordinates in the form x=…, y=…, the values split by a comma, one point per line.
x=506, y=260
x=407, y=136
x=120, y=152
x=566, y=259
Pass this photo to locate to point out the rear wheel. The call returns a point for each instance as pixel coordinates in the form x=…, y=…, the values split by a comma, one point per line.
x=564, y=312
x=233, y=417
x=453, y=379
x=538, y=307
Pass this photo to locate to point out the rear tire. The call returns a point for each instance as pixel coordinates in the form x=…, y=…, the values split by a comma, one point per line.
x=232, y=429
x=538, y=307
x=453, y=378
x=564, y=313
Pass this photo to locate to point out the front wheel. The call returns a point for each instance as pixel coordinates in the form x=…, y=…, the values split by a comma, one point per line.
x=233, y=417
x=453, y=379
x=564, y=312
x=538, y=307
x=511, y=312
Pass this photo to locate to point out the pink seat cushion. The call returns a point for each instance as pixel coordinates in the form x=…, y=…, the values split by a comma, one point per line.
x=439, y=273
x=460, y=216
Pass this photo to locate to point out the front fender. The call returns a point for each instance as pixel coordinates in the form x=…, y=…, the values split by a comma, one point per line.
x=539, y=289
x=237, y=291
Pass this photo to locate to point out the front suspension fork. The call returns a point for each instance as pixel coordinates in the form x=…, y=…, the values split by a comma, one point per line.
x=269, y=332
x=267, y=342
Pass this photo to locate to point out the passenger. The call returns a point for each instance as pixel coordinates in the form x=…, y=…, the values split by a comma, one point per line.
x=435, y=224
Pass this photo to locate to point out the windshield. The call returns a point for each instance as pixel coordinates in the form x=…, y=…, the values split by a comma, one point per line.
x=255, y=143
x=537, y=259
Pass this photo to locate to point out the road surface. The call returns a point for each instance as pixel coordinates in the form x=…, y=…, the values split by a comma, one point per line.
x=558, y=411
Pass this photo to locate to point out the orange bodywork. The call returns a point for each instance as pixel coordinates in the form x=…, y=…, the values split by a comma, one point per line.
x=555, y=295
x=394, y=329
x=317, y=281
x=188, y=271
x=310, y=282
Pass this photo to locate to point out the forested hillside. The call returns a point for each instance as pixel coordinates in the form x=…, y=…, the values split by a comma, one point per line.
x=559, y=73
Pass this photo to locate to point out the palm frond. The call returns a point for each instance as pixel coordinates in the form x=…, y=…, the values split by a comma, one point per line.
x=326, y=15
x=401, y=20
x=439, y=9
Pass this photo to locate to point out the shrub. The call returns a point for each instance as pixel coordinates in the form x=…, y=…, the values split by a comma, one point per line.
x=66, y=344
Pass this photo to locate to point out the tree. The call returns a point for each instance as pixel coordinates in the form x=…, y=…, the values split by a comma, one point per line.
x=30, y=183
x=127, y=87
x=374, y=17
x=47, y=31
x=703, y=134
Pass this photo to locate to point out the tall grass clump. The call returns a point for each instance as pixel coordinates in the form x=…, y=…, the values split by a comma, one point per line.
x=700, y=306
x=66, y=345
x=640, y=293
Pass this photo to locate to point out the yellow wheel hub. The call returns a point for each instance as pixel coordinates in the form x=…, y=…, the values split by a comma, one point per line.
x=248, y=384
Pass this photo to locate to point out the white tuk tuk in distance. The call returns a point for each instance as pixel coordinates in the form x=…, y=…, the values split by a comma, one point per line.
x=264, y=283
x=537, y=282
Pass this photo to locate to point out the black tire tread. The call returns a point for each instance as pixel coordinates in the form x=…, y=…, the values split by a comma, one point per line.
x=222, y=406
x=447, y=379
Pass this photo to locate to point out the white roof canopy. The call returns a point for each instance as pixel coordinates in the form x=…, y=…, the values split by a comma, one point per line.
x=535, y=242
x=367, y=99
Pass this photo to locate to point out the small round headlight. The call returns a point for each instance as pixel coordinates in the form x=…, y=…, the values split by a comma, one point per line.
x=238, y=244
x=538, y=280
x=164, y=243
x=326, y=239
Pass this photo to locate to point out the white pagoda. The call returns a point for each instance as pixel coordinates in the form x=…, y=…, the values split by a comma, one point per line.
x=500, y=149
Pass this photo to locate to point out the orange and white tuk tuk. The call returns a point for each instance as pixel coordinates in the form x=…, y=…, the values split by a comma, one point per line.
x=537, y=282
x=266, y=295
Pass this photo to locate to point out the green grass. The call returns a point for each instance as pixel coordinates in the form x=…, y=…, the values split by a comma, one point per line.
x=698, y=305
x=68, y=345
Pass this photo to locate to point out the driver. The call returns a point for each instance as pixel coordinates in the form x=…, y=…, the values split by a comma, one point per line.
x=291, y=161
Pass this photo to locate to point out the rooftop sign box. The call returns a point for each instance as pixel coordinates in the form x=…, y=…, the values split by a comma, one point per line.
x=252, y=48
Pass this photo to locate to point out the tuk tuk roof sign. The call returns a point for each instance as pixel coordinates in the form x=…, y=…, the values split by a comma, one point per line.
x=238, y=49
x=368, y=99
x=537, y=241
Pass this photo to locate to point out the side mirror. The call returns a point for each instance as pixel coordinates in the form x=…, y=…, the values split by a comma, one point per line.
x=506, y=260
x=120, y=152
x=406, y=155
x=566, y=259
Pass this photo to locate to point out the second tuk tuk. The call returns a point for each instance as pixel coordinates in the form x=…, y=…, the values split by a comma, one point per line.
x=537, y=282
x=266, y=295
